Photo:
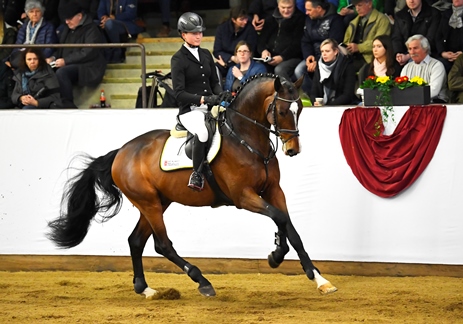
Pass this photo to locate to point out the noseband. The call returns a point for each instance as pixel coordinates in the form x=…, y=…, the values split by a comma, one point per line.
x=272, y=109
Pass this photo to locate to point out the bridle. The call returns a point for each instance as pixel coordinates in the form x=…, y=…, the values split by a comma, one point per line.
x=277, y=131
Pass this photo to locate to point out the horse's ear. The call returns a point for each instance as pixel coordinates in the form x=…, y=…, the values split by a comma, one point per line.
x=298, y=83
x=277, y=84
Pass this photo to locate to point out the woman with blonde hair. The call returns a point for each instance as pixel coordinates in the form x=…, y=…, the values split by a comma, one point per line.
x=334, y=77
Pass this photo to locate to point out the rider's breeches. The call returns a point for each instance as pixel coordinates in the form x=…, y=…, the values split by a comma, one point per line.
x=194, y=122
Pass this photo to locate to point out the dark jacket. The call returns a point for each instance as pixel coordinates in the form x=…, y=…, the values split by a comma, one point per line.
x=192, y=79
x=226, y=39
x=9, y=37
x=282, y=36
x=91, y=62
x=331, y=25
x=12, y=10
x=6, y=86
x=426, y=24
x=45, y=35
x=342, y=80
x=448, y=38
x=125, y=11
x=262, y=8
x=44, y=78
x=254, y=68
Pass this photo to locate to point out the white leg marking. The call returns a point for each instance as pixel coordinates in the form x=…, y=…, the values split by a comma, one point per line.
x=149, y=293
x=319, y=279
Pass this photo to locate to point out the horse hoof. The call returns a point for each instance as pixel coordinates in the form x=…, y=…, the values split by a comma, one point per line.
x=271, y=261
x=207, y=291
x=327, y=288
x=149, y=293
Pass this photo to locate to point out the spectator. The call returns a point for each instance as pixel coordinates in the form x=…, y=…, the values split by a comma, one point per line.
x=50, y=12
x=431, y=70
x=89, y=7
x=227, y=36
x=6, y=86
x=280, y=39
x=165, y=18
x=196, y=85
x=261, y=10
x=334, y=78
x=36, y=84
x=321, y=22
x=35, y=30
x=361, y=31
x=117, y=19
x=456, y=81
x=384, y=62
x=245, y=68
x=418, y=17
x=12, y=10
x=7, y=37
x=449, y=38
x=346, y=9
x=84, y=66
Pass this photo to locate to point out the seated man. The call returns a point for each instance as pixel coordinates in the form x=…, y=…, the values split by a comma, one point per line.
x=418, y=17
x=431, y=70
x=119, y=25
x=280, y=39
x=361, y=31
x=84, y=66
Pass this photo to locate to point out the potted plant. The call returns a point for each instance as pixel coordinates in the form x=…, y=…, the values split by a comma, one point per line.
x=401, y=91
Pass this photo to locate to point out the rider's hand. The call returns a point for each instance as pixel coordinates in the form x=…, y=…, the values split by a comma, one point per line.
x=211, y=100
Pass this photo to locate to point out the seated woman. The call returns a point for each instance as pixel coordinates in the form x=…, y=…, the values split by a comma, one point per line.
x=334, y=77
x=384, y=62
x=36, y=85
x=245, y=68
x=228, y=34
x=35, y=30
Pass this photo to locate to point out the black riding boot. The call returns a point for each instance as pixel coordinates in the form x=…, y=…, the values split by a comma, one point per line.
x=199, y=151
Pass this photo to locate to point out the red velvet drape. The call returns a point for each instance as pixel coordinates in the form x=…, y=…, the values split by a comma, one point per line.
x=388, y=164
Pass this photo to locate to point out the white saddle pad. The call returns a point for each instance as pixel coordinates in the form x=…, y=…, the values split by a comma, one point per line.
x=173, y=155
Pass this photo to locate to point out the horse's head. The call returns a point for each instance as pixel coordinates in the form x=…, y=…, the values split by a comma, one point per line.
x=283, y=113
x=267, y=100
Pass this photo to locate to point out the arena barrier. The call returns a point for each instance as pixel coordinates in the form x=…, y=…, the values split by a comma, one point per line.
x=337, y=218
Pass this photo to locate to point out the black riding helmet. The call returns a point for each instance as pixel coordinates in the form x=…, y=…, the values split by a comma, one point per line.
x=190, y=22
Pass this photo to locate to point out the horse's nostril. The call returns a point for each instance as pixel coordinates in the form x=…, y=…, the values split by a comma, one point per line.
x=291, y=152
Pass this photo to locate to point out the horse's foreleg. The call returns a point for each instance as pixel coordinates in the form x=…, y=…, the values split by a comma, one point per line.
x=137, y=242
x=279, y=214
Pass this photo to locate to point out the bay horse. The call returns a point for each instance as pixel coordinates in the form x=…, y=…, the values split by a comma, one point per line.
x=245, y=170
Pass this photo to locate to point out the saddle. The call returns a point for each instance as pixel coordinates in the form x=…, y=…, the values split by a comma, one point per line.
x=177, y=150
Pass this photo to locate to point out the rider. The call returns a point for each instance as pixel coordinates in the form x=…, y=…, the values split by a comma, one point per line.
x=196, y=85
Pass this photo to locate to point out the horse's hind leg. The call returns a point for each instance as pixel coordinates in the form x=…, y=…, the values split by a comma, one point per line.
x=137, y=242
x=164, y=247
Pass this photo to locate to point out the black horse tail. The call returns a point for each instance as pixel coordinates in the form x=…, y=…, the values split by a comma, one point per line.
x=80, y=202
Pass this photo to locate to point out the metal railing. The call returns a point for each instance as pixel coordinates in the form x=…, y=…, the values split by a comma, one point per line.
x=96, y=45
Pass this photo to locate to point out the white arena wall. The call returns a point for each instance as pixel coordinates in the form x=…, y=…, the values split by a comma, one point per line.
x=337, y=218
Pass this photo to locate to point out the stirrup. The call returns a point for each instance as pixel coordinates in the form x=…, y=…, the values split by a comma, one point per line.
x=196, y=181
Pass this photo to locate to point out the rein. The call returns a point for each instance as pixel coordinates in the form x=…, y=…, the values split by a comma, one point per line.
x=277, y=132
